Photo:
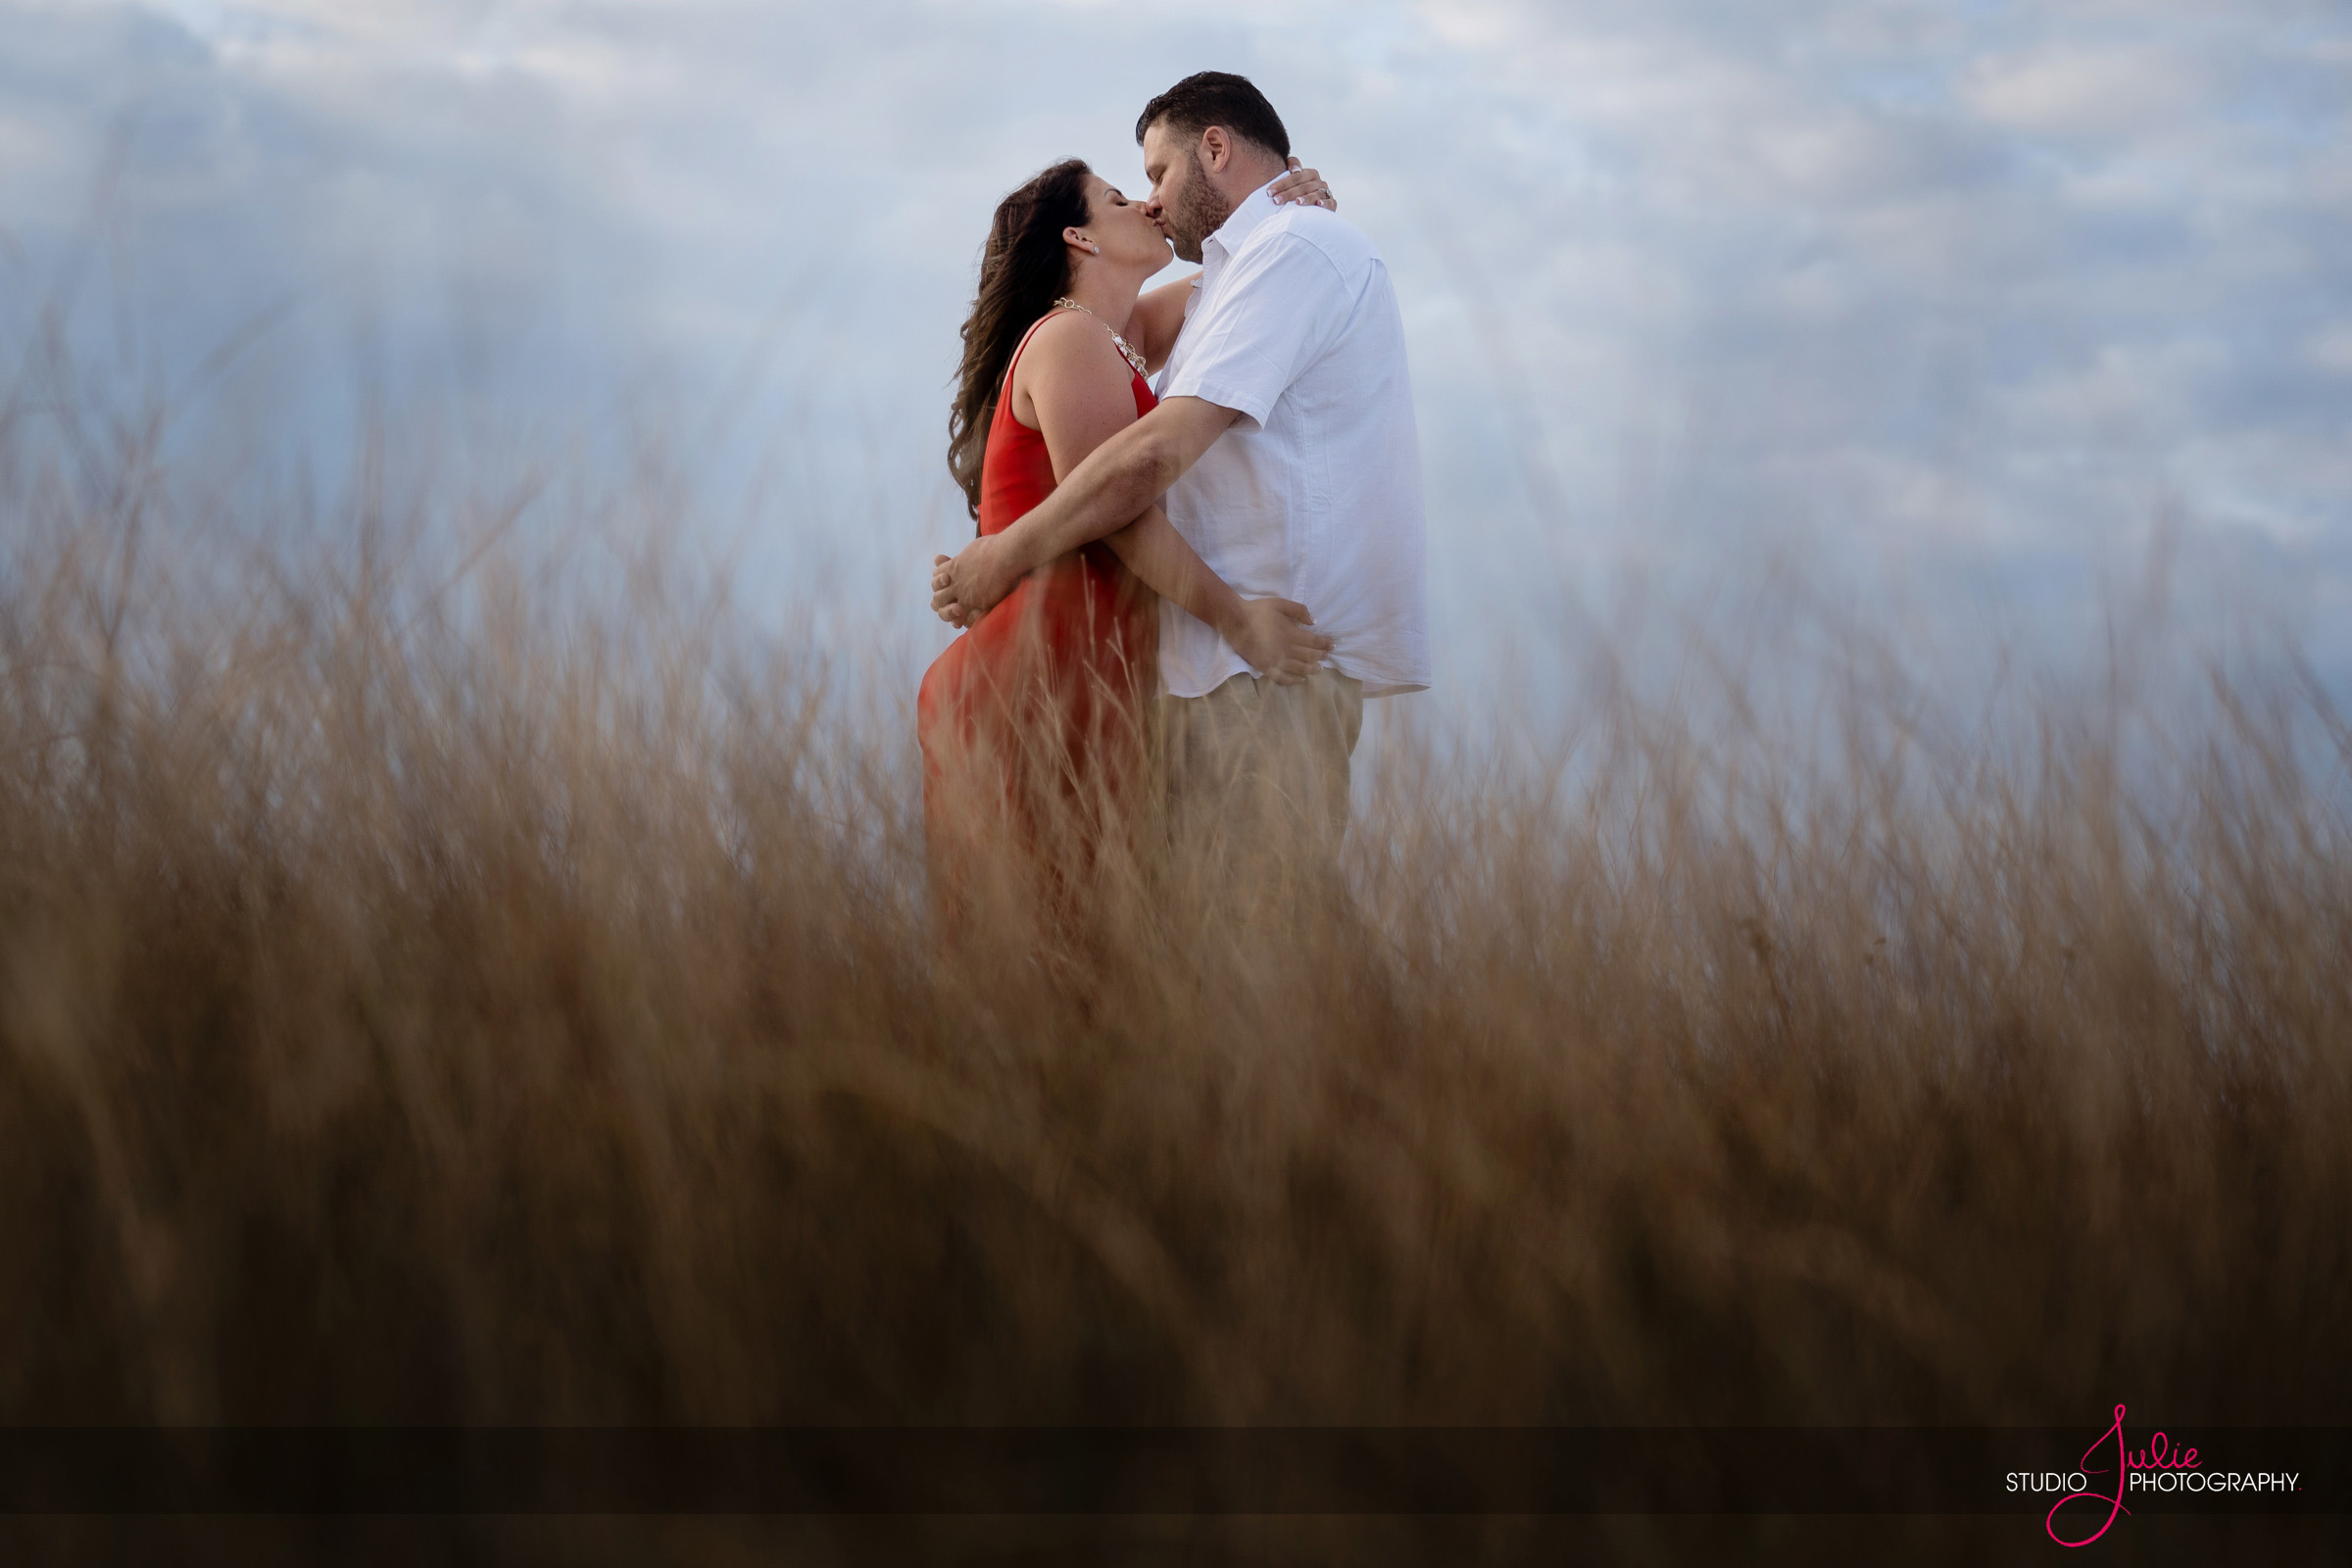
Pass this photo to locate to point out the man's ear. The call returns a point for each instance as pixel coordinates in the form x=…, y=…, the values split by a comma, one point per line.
x=1216, y=149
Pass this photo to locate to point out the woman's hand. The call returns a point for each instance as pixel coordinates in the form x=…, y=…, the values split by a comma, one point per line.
x=1303, y=185
x=952, y=614
x=1277, y=636
x=963, y=588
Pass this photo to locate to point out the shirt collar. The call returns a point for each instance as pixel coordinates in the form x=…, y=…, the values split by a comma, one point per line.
x=1249, y=212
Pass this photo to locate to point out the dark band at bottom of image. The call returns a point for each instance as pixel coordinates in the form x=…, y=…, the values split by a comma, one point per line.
x=1104, y=1470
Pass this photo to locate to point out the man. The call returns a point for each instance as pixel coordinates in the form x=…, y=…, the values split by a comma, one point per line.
x=1285, y=447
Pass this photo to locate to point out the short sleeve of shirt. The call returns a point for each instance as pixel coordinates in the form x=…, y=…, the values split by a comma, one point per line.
x=1277, y=308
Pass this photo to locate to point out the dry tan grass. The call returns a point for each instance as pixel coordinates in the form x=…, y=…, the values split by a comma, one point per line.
x=495, y=1017
x=414, y=1013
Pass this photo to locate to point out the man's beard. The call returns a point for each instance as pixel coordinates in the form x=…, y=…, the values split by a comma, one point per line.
x=1200, y=209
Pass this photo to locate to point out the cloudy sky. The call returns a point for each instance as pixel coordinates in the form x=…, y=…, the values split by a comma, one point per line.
x=1965, y=306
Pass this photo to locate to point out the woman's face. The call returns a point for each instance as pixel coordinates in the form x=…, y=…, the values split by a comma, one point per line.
x=1125, y=232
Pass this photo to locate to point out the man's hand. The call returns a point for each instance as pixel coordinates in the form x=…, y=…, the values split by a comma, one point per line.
x=973, y=582
x=1277, y=636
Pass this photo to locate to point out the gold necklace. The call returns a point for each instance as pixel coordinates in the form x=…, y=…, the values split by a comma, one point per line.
x=1133, y=358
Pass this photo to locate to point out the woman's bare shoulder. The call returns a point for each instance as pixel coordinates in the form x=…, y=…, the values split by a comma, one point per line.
x=1072, y=346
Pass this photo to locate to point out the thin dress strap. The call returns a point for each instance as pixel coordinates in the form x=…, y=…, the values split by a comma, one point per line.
x=1021, y=347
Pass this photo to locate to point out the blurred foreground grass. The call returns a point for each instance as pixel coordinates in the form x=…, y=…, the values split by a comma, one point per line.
x=414, y=1016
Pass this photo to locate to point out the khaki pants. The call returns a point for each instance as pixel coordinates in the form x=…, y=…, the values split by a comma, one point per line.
x=1254, y=770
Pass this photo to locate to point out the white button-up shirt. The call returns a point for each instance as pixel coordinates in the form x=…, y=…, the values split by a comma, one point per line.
x=1315, y=492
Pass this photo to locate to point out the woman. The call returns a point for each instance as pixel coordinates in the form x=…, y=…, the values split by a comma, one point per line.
x=1032, y=721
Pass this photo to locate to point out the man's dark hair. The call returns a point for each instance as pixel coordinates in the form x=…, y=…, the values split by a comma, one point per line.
x=1217, y=98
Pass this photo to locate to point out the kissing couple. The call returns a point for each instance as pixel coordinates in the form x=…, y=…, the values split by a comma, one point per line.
x=1182, y=590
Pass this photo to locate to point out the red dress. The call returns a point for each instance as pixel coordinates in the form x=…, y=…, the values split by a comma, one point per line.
x=1031, y=723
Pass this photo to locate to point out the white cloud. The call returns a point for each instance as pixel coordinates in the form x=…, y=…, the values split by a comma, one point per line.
x=2088, y=89
x=2331, y=349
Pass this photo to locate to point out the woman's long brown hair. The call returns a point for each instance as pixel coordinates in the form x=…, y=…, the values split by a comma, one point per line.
x=1024, y=269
